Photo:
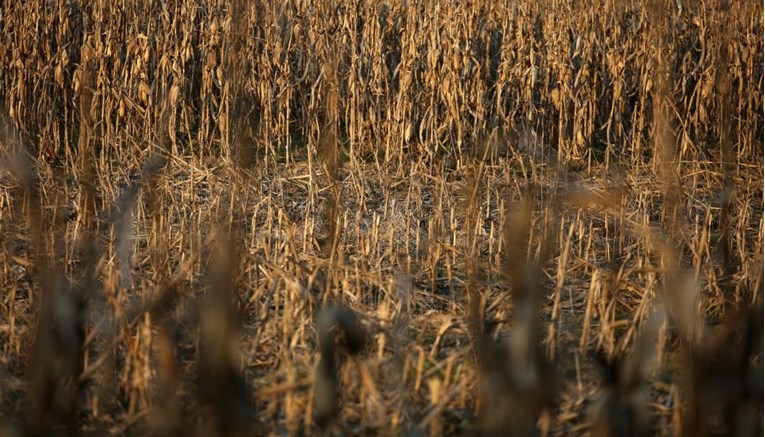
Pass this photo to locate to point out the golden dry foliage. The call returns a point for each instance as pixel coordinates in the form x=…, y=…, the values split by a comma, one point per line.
x=381, y=217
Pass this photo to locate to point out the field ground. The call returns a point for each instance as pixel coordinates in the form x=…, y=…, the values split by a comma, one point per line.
x=376, y=218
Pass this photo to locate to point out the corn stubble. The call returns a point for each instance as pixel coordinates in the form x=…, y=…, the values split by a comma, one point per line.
x=342, y=218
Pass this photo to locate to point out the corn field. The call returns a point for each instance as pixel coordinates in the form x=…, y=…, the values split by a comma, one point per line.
x=395, y=217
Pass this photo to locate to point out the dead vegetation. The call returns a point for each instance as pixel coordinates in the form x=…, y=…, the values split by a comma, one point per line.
x=335, y=217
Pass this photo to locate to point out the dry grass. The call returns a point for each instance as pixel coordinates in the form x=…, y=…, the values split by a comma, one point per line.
x=348, y=217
